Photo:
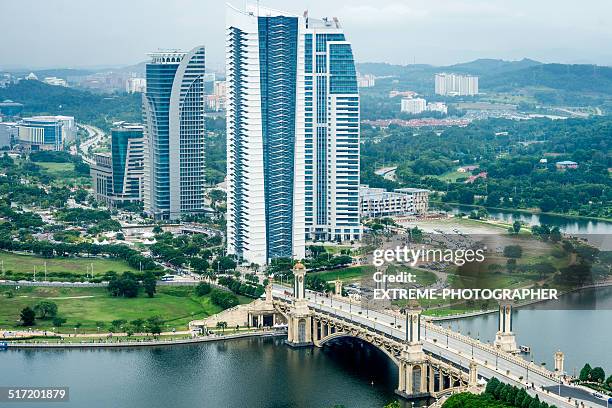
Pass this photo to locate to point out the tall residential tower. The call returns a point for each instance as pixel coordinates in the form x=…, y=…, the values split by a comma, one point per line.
x=173, y=106
x=292, y=134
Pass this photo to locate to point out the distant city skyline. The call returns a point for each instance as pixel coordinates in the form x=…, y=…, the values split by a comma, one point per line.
x=85, y=34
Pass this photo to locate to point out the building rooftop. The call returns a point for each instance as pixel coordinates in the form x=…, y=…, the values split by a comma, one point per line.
x=412, y=190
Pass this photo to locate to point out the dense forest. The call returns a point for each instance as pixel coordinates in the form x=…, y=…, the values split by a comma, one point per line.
x=87, y=107
x=510, y=152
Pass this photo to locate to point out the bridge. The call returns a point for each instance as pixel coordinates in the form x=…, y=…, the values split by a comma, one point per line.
x=432, y=361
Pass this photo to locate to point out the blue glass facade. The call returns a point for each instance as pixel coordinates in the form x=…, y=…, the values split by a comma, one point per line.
x=160, y=78
x=278, y=78
x=120, y=139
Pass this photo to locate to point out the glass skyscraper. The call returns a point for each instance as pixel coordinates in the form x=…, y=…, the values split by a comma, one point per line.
x=292, y=134
x=173, y=110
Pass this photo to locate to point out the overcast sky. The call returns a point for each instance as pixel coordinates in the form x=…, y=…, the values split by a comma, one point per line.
x=86, y=33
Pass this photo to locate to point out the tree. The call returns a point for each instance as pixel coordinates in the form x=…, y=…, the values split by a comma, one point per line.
x=27, y=316
x=155, y=325
x=598, y=374
x=516, y=227
x=117, y=324
x=585, y=373
x=45, y=309
x=492, y=385
x=535, y=403
x=394, y=404
x=149, y=283
x=58, y=321
x=202, y=289
x=222, y=326
x=223, y=299
x=520, y=397
x=609, y=381
x=157, y=229
x=138, y=325
x=513, y=251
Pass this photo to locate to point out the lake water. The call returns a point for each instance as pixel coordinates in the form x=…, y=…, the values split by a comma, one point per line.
x=579, y=324
x=264, y=372
x=569, y=225
x=256, y=372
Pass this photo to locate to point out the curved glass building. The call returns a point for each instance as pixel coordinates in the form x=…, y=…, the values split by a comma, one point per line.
x=173, y=110
x=292, y=134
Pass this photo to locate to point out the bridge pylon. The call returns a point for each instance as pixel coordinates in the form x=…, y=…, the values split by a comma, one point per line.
x=505, y=339
x=299, y=333
x=559, y=361
x=413, y=363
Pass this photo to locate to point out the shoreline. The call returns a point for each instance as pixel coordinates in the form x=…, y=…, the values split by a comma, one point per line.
x=129, y=344
x=525, y=211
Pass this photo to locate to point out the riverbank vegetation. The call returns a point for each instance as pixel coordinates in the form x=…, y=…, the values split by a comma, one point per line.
x=595, y=378
x=497, y=395
x=518, y=158
x=88, y=309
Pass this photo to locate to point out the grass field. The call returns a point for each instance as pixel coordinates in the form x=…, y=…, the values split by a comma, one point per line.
x=64, y=174
x=177, y=306
x=57, y=169
x=453, y=175
x=345, y=274
x=25, y=264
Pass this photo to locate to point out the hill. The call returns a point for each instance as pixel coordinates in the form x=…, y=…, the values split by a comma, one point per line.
x=100, y=110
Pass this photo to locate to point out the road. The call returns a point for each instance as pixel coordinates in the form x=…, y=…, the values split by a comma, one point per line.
x=449, y=345
x=96, y=136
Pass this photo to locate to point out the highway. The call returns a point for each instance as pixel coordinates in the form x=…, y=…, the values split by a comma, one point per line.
x=453, y=347
x=95, y=137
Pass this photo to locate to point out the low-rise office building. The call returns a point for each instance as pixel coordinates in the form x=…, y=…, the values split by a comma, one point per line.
x=45, y=132
x=377, y=202
x=118, y=177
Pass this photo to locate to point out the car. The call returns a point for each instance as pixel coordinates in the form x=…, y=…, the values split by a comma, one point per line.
x=597, y=395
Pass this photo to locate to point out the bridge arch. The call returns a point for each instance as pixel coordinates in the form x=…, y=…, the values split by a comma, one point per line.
x=339, y=335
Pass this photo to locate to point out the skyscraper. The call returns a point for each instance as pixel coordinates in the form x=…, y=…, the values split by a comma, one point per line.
x=173, y=110
x=292, y=134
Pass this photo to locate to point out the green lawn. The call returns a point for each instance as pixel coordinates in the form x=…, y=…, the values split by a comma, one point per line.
x=176, y=305
x=57, y=169
x=345, y=274
x=64, y=174
x=25, y=264
x=453, y=175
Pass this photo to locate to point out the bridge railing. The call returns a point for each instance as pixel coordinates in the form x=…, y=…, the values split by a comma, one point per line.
x=491, y=349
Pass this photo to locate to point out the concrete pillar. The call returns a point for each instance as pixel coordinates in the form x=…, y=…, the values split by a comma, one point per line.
x=559, y=360
x=269, y=293
x=338, y=287
x=423, y=378
x=505, y=339
x=299, y=274
x=409, y=383
x=432, y=377
x=473, y=381
x=402, y=377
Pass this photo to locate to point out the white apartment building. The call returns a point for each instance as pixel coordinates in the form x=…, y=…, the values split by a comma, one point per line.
x=413, y=106
x=456, y=85
x=133, y=85
x=365, y=81
x=437, y=107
